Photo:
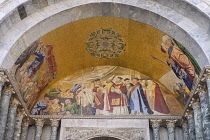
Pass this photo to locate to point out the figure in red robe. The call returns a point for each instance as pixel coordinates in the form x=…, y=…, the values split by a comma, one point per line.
x=117, y=98
x=51, y=60
x=99, y=94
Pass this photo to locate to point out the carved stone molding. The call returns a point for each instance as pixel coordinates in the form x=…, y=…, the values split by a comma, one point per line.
x=55, y=122
x=155, y=123
x=122, y=133
x=170, y=123
x=39, y=122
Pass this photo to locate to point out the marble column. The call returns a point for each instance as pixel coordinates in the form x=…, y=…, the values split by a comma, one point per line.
x=19, y=118
x=39, y=126
x=155, y=127
x=54, y=128
x=185, y=130
x=2, y=80
x=198, y=119
x=208, y=87
x=24, y=129
x=191, y=124
x=205, y=110
x=170, y=126
x=5, y=101
x=9, y=132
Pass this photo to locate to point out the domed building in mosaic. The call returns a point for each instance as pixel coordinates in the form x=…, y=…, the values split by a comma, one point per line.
x=105, y=70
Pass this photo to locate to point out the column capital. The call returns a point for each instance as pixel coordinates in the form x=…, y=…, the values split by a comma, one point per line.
x=206, y=75
x=54, y=122
x=14, y=102
x=9, y=90
x=189, y=114
x=39, y=122
x=3, y=77
x=184, y=123
x=26, y=122
x=21, y=112
x=170, y=123
x=156, y=122
x=202, y=92
x=195, y=103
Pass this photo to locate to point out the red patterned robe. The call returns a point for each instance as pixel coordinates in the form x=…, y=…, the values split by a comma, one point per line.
x=117, y=98
x=99, y=97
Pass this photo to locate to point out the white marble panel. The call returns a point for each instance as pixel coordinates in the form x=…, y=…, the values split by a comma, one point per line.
x=107, y=125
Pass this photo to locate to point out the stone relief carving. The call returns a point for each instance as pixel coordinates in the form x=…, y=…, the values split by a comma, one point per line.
x=87, y=133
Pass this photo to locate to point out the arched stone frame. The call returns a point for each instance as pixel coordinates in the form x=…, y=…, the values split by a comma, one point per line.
x=183, y=29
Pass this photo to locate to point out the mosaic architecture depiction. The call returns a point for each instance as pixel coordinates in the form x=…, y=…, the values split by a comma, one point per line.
x=104, y=69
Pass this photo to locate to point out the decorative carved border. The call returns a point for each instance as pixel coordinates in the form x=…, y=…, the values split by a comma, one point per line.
x=71, y=133
x=108, y=117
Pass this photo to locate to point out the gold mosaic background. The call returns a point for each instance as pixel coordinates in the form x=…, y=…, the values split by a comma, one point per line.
x=141, y=40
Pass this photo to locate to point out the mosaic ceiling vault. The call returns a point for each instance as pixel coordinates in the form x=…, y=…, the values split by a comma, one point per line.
x=105, y=66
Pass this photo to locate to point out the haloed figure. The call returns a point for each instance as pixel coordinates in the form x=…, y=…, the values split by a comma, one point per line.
x=178, y=61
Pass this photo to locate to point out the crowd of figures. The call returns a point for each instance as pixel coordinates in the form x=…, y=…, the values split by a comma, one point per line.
x=28, y=73
x=119, y=97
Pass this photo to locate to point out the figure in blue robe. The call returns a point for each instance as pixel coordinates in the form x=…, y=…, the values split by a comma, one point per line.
x=41, y=105
x=138, y=101
x=181, y=74
x=36, y=64
x=75, y=88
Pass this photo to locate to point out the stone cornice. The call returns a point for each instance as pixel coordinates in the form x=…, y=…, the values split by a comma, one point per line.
x=107, y=117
